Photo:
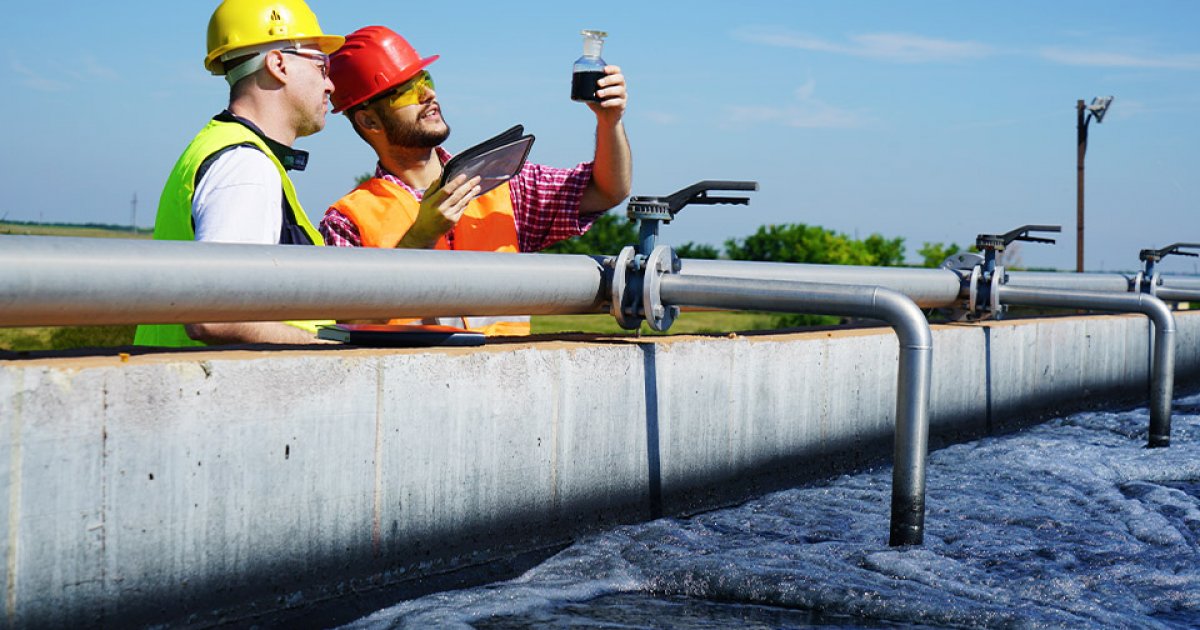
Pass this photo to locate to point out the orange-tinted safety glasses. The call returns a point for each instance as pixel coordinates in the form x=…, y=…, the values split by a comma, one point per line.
x=410, y=92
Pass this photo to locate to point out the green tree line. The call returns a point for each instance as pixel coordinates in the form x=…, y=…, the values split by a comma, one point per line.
x=788, y=242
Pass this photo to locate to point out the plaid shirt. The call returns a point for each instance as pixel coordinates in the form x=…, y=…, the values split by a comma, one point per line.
x=545, y=204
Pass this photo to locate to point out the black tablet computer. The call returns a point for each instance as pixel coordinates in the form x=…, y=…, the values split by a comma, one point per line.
x=400, y=335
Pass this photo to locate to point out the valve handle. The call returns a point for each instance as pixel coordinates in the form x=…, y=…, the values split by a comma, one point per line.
x=999, y=241
x=1156, y=255
x=696, y=194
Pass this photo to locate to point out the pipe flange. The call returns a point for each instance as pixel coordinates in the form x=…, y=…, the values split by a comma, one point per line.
x=1135, y=285
x=973, y=291
x=1153, y=283
x=662, y=261
x=622, y=306
x=998, y=278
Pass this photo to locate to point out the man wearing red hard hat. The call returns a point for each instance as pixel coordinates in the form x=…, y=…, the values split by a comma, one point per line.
x=387, y=93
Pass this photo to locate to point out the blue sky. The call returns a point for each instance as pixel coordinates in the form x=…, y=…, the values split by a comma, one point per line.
x=929, y=120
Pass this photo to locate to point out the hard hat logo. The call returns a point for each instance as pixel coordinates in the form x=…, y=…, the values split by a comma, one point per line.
x=251, y=25
x=278, y=28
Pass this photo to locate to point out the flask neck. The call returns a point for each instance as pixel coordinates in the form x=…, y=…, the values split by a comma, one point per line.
x=592, y=47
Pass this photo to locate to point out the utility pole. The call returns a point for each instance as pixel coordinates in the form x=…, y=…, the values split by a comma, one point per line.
x=1084, y=116
x=1080, y=150
x=133, y=214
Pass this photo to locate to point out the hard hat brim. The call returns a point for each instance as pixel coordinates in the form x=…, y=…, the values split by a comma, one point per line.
x=328, y=44
x=416, y=69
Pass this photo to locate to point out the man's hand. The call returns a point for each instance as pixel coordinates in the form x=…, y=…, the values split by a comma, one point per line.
x=440, y=211
x=612, y=97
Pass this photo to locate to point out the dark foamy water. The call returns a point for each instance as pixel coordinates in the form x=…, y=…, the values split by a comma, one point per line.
x=1070, y=524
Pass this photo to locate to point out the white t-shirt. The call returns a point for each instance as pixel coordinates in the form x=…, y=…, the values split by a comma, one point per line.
x=239, y=199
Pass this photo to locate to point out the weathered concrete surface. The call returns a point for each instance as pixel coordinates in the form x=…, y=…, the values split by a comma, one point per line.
x=196, y=487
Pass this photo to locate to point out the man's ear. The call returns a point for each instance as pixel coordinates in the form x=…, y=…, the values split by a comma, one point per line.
x=275, y=66
x=366, y=120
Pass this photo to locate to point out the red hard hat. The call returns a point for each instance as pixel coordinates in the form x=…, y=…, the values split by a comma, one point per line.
x=373, y=60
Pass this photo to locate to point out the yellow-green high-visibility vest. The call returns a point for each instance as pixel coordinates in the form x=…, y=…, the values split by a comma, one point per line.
x=174, y=219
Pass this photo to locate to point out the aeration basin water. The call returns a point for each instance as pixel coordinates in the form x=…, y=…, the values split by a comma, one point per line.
x=1070, y=524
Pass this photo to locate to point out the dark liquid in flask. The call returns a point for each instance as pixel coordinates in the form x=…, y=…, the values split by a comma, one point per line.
x=583, y=85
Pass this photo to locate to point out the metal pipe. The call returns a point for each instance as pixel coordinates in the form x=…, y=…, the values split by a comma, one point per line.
x=927, y=287
x=1162, y=376
x=913, y=378
x=1168, y=294
x=49, y=281
x=1180, y=282
x=1105, y=282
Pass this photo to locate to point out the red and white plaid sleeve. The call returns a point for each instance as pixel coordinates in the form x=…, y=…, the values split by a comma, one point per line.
x=546, y=204
x=339, y=230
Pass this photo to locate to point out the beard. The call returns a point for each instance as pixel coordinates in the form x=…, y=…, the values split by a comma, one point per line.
x=406, y=134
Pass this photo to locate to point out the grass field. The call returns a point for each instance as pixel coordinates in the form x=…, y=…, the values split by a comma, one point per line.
x=72, y=337
x=64, y=337
x=689, y=322
x=29, y=229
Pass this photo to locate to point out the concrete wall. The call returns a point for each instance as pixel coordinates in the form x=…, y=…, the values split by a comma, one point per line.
x=200, y=487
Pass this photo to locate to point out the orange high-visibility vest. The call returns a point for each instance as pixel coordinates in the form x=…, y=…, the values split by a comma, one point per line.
x=384, y=212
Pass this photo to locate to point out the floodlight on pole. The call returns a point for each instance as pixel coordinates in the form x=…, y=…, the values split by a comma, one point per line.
x=1099, y=106
x=1084, y=116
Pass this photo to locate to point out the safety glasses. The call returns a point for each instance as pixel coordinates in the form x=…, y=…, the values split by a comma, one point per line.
x=320, y=58
x=410, y=92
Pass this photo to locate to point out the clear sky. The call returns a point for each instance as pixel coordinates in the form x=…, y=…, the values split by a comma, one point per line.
x=929, y=120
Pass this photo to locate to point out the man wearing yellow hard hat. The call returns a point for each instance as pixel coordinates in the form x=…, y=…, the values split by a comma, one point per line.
x=231, y=183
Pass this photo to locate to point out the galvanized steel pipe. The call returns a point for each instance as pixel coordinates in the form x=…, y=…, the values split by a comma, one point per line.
x=927, y=287
x=1103, y=282
x=1162, y=376
x=1180, y=283
x=913, y=378
x=1170, y=294
x=48, y=281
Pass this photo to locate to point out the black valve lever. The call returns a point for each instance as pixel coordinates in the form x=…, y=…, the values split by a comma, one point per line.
x=665, y=208
x=997, y=242
x=1155, y=255
x=698, y=194
x=651, y=211
x=1152, y=256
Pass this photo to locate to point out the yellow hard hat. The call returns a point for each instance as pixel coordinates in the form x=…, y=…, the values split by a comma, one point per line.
x=239, y=24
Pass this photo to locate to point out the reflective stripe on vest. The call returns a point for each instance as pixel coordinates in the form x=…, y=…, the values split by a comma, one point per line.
x=383, y=212
x=174, y=219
